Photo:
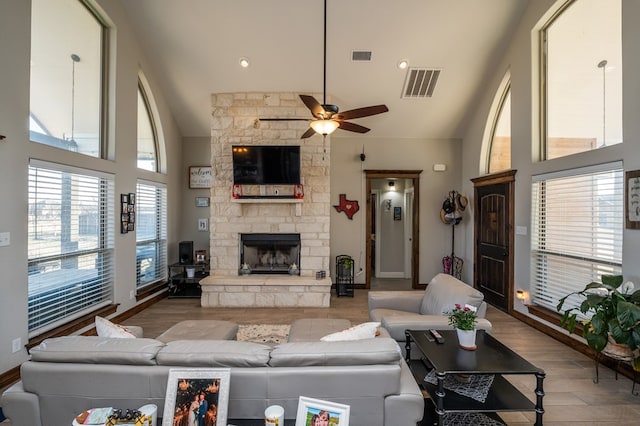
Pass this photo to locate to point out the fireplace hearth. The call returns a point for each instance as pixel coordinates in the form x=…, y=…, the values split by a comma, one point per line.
x=269, y=253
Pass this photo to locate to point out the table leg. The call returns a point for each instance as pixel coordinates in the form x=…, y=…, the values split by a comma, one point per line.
x=440, y=398
x=407, y=345
x=540, y=375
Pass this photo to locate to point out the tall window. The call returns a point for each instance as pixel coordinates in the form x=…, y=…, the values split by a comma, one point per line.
x=147, y=138
x=151, y=233
x=70, y=243
x=582, y=78
x=500, y=148
x=67, y=65
x=576, y=231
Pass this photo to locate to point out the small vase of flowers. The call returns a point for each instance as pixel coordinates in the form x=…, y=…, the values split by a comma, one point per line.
x=464, y=319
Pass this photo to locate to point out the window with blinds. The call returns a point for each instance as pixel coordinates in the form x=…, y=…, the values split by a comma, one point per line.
x=576, y=231
x=151, y=233
x=70, y=243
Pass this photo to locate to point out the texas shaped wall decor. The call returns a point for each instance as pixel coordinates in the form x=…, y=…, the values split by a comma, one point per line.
x=349, y=207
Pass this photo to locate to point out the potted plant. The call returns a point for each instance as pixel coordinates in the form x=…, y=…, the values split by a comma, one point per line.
x=464, y=320
x=614, y=321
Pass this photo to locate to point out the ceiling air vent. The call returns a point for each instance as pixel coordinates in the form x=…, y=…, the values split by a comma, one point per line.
x=420, y=82
x=360, y=55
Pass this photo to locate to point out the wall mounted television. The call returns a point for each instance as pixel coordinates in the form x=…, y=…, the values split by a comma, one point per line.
x=266, y=164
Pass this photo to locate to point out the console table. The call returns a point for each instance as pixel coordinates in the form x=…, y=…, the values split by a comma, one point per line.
x=491, y=358
x=183, y=283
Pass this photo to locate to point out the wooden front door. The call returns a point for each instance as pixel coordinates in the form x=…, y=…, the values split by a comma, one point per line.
x=493, y=219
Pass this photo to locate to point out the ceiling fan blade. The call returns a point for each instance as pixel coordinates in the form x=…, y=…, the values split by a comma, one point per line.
x=361, y=112
x=310, y=132
x=313, y=105
x=352, y=127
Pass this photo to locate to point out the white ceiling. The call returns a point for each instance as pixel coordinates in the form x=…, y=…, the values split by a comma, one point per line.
x=194, y=47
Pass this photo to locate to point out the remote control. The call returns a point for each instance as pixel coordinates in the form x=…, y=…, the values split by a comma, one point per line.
x=437, y=336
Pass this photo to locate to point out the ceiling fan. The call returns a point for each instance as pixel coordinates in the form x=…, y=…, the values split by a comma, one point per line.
x=327, y=117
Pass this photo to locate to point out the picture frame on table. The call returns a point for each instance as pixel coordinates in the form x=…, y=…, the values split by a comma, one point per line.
x=201, y=256
x=310, y=408
x=632, y=199
x=211, y=388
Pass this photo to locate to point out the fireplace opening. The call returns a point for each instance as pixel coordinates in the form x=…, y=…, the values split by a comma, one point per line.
x=269, y=253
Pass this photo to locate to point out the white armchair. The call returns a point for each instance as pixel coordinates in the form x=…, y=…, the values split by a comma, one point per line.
x=398, y=311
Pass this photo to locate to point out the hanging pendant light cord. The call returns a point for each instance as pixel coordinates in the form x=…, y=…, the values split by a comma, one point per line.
x=324, y=59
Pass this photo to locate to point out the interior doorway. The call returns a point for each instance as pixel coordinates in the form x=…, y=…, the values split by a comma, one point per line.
x=392, y=237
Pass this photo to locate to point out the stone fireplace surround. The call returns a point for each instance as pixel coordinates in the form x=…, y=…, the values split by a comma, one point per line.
x=234, y=123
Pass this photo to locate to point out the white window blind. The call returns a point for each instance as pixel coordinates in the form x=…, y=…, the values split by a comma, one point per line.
x=577, y=223
x=70, y=243
x=151, y=233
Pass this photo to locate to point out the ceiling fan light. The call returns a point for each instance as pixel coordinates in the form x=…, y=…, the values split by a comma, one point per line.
x=324, y=127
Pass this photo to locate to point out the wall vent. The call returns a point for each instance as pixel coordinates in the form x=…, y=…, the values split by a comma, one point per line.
x=361, y=55
x=420, y=83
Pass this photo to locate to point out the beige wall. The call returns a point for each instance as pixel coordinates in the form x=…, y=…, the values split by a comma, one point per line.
x=15, y=151
x=519, y=59
x=347, y=177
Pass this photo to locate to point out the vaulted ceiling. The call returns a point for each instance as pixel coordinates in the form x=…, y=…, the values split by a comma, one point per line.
x=194, y=48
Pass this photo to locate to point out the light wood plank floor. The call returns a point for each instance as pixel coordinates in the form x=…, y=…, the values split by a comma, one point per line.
x=571, y=396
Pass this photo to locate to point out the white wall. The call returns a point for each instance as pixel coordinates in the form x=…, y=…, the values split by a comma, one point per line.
x=347, y=177
x=15, y=151
x=519, y=59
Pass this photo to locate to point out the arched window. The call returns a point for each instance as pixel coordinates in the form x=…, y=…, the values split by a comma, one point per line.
x=500, y=145
x=147, y=135
x=581, y=70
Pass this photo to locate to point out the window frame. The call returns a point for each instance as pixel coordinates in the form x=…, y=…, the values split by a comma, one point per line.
x=160, y=237
x=104, y=251
x=142, y=92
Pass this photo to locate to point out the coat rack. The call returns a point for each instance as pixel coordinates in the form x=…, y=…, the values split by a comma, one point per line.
x=451, y=214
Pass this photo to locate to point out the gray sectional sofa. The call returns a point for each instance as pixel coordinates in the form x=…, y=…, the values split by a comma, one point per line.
x=67, y=375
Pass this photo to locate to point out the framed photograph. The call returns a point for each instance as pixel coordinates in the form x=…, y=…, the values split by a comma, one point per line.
x=200, y=177
x=124, y=198
x=132, y=198
x=202, y=201
x=313, y=412
x=131, y=227
x=397, y=213
x=632, y=199
x=203, y=224
x=196, y=396
x=201, y=256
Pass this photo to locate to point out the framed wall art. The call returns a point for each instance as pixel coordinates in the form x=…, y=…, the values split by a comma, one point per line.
x=196, y=396
x=200, y=177
x=127, y=212
x=202, y=201
x=632, y=199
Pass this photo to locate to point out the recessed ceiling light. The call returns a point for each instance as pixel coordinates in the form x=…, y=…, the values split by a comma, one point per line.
x=244, y=62
x=403, y=64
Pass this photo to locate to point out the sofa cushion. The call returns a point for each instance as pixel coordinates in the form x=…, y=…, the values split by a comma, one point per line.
x=312, y=329
x=105, y=328
x=214, y=353
x=444, y=291
x=366, y=330
x=381, y=350
x=97, y=350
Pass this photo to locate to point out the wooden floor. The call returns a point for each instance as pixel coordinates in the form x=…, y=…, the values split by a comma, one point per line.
x=571, y=396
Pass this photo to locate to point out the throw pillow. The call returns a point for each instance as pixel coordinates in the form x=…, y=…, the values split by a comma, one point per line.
x=105, y=328
x=366, y=330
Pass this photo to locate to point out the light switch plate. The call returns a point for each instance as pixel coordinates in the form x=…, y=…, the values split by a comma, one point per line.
x=521, y=230
x=5, y=238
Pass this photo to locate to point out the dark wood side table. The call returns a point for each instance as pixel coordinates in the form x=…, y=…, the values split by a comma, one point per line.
x=491, y=357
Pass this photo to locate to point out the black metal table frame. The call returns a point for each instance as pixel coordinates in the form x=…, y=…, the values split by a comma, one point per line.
x=441, y=375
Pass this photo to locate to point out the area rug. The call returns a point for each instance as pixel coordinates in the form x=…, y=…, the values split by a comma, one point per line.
x=269, y=334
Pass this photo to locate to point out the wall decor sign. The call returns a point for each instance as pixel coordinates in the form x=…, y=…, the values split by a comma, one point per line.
x=202, y=201
x=200, y=177
x=127, y=212
x=203, y=224
x=397, y=213
x=632, y=199
x=349, y=207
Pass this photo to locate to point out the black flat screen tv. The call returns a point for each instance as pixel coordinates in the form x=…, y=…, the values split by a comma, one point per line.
x=266, y=164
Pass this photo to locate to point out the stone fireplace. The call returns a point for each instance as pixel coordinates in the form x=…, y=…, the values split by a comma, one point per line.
x=270, y=210
x=269, y=253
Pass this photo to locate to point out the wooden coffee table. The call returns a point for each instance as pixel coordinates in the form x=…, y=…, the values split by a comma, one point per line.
x=491, y=358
